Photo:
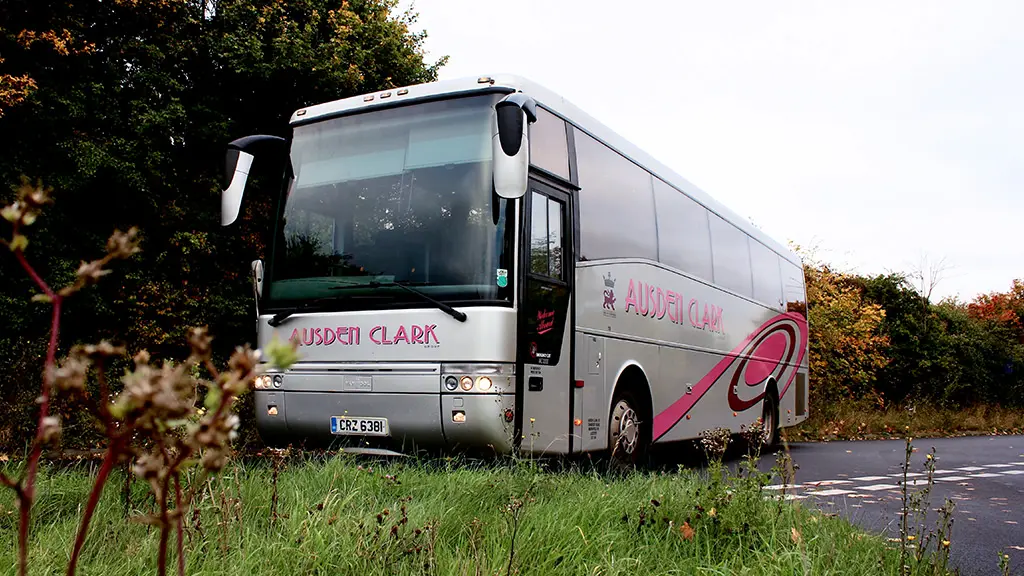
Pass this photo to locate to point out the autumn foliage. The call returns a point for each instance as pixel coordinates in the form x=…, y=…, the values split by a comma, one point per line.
x=847, y=344
x=878, y=342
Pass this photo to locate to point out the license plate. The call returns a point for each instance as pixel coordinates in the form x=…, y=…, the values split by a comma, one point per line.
x=355, y=426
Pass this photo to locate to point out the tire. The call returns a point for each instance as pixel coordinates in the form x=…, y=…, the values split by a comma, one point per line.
x=770, y=419
x=628, y=432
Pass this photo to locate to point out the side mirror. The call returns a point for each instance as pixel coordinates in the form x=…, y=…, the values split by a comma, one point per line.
x=511, y=144
x=237, y=164
x=257, y=277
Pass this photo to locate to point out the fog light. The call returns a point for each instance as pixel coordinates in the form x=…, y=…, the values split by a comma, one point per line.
x=483, y=383
x=272, y=410
x=466, y=383
x=262, y=381
x=458, y=416
x=451, y=383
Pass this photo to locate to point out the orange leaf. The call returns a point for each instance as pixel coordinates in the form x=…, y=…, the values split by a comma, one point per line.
x=686, y=531
x=794, y=536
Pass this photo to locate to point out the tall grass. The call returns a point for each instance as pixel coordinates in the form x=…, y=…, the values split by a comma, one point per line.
x=864, y=421
x=343, y=515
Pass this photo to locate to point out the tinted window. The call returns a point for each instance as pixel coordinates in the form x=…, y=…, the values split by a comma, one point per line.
x=731, y=256
x=683, y=238
x=546, y=236
x=793, y=287
x=616, y=204
x=767, y=278
x=548, y=149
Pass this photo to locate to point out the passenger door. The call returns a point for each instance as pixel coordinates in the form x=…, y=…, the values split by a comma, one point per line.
x=546, y=322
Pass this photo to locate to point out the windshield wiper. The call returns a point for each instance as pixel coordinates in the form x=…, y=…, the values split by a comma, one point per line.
x=283, y=315
x=460, y=316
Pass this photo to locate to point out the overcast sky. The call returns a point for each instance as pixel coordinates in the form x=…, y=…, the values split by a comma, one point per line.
x=880, y=132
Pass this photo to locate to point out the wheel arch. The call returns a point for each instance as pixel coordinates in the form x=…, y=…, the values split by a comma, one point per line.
x=632, y=376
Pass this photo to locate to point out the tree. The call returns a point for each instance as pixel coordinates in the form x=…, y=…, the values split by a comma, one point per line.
x=847, y=345
x=125, y=108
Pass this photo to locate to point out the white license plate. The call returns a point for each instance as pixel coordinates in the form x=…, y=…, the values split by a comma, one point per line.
x=355, y=426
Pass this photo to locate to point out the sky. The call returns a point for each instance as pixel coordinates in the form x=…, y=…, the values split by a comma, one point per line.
x=888, y=137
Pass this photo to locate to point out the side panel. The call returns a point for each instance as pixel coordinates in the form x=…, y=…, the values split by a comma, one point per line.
x=715, y=348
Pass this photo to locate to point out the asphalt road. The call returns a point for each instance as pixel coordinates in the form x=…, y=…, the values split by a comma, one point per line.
x=983, y=476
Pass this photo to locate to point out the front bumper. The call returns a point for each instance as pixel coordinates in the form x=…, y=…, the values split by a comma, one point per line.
x=415, y=420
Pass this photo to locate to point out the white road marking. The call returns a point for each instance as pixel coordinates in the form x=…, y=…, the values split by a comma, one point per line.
x=832, y=492
x=971, y=468
x=953, y=478
x=875, y=487
x=1012, y=472
x=781, y=486
x=909, y=475
x=998, y=465
x=869, y=478
x=985, y=475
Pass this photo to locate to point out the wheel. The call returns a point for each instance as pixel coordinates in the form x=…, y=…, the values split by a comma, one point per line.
x=628, y=437
x=770, y=421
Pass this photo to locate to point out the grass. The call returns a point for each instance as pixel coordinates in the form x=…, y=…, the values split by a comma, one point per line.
x=348, y=515
x=861, y=421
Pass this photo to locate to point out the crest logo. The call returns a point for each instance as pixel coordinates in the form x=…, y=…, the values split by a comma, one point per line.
x=609, y=295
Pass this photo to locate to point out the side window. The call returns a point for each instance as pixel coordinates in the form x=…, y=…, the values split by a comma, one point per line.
x=616, y=204
x=767, y=275
x=546, y=240
x=548, y=148
x=731, y=256
x=793, y=287
x=683, y=238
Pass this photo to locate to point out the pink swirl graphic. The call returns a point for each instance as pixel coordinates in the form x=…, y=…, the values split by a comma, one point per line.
x=768, y=352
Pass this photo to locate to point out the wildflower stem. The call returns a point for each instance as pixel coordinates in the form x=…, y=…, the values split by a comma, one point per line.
x=178, y=520
x=94, y=497
x=26, y=494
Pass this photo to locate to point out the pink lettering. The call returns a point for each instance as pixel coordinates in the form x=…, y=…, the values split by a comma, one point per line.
x=373, y=331
x=707, y=318
x=401, y=335
x=384, y=338
x=645, y=301
x=295, y=336
x=417, y=335
x=329, y=332
x=354, y=335
x=631, y=296
x=652, y=301
x=694, y=313
x=318, y=333
x=428, y=331
x=716, y=321
x=308, y=342
x=662, y=304
x=671, y=304
x=344, y=332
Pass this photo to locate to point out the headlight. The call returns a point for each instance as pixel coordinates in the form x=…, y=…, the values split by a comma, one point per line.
x=451, y=383
x=262, y=381
x=466, y=383
x=483, y=383
x=278, y=380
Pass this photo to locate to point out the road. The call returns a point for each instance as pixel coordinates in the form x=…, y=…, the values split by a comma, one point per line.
x=983, y=476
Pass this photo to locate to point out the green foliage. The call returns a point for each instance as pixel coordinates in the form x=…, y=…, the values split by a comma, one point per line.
x=131, y=106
